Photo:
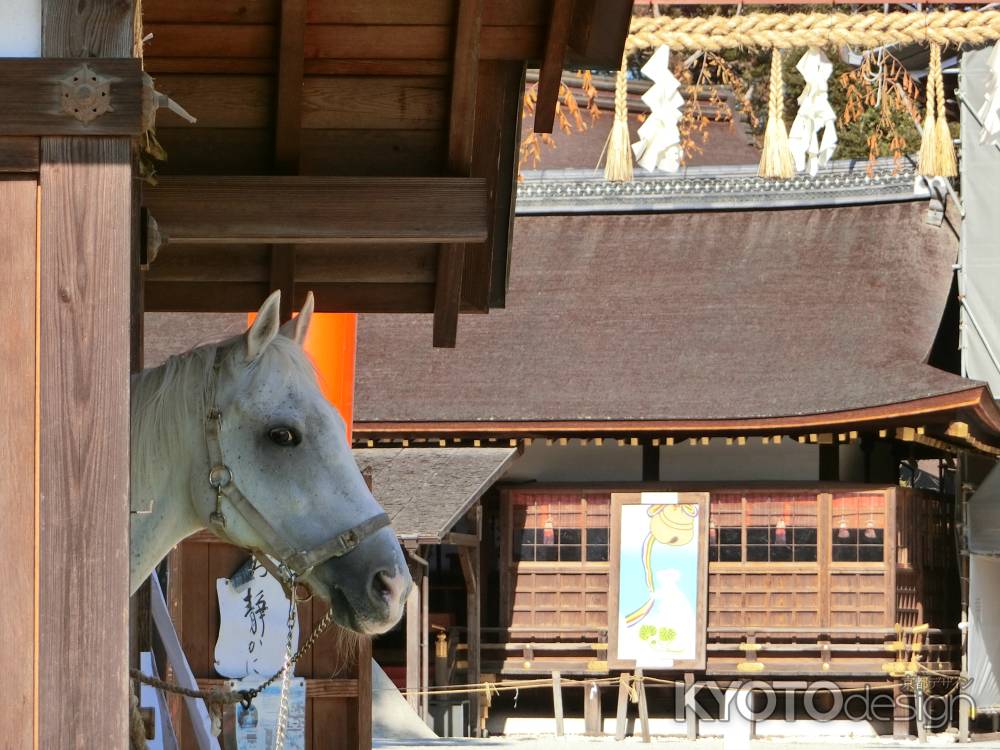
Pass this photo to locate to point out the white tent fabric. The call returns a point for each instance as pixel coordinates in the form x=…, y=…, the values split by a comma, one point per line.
x=984, y=632
x=979, y=273
x=984, y=517
x=392, y=717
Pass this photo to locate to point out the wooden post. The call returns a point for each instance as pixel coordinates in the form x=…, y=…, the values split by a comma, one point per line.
x=469, y=557
x=413, y=617
x=829, y=462
x=83, y=390
x=650, y=462
x=557, y=707
x=621, y=716
x=640, y=686
x=592, y=710
x=18, y=454
x=690, y=715
x=900, y=718
x=425, y=642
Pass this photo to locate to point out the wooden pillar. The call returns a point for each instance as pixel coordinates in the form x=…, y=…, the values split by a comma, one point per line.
x=18, y=455
x=469, y=557
x=650, y=462
x=413, y=619
x=829, y=462
x=425, y=642
x=83, y=390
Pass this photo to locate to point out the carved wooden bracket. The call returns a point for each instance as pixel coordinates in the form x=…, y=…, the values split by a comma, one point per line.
x=86, y=95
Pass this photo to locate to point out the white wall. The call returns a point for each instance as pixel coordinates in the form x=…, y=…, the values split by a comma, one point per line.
x=789, y=461
x=20, y=28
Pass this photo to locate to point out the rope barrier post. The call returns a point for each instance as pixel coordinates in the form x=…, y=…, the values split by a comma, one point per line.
x=557, y=706
x=690, y=715
x=592, y=710
x=918, y=699
x=621, y=717
x=643, y=708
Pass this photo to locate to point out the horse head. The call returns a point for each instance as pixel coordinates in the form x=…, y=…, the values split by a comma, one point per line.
x=281, y=479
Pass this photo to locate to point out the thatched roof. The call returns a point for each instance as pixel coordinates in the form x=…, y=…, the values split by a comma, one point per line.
x=681, y=317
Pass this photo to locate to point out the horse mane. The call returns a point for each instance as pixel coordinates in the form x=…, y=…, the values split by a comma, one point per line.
x=167, y=399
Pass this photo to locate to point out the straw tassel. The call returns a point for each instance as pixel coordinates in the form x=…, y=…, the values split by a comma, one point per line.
x=777, y=159
x=618, y=167
x=937, y=152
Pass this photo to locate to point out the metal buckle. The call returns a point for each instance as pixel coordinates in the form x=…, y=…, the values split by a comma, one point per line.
x=220, y=476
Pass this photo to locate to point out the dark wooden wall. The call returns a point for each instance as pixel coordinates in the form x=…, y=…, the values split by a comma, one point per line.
x=338, y=677
x=852, y=605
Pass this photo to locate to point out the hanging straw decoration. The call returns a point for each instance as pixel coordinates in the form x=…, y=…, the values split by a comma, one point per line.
x=937, y=152
x=618, y=167
x=777, y=159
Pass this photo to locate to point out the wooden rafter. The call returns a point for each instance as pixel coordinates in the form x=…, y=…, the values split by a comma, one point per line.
x=274, y=210
x=288, y=132
x=550, y=73
x=461, y=133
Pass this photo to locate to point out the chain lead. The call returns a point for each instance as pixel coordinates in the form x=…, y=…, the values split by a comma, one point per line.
x=286, y=678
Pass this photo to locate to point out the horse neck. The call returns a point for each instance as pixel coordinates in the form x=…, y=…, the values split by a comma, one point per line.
x=168, y=445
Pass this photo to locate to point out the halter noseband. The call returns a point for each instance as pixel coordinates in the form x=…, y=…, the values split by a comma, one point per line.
x=221, y=479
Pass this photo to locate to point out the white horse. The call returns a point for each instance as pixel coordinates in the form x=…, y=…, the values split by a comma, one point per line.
x=236, y=437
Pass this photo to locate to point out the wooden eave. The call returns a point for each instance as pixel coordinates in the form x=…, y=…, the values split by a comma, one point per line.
x=428, y=89
x=931, y=419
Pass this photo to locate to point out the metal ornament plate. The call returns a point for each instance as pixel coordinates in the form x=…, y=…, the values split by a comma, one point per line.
x=86, y=94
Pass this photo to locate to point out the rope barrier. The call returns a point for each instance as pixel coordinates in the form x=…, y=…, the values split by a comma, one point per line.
x=785, y=30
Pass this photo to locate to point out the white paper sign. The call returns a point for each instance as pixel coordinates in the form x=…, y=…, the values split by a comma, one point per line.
x=255, y=726
x=253, y=626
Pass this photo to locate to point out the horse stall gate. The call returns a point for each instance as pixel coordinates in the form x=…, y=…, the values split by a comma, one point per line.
x=818, y=575
x=338, y=673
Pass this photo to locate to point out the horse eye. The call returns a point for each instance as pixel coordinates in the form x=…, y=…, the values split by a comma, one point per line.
x=284, y=436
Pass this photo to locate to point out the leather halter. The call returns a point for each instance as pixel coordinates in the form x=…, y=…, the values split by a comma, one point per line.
x=221, y=479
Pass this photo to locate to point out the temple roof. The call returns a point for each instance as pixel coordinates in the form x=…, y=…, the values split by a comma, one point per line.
x=742, y=319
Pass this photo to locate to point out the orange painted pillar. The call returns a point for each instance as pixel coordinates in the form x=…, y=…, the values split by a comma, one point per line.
x=332, y=346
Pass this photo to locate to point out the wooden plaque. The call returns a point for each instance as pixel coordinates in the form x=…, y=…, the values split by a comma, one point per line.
x=658, y=580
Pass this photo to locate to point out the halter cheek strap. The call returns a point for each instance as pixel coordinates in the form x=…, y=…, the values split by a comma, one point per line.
x=221, y=479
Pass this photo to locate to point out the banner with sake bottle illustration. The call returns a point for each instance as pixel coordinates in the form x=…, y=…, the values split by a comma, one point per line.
x=659, y=595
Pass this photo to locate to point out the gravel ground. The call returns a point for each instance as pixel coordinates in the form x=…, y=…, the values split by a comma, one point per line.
x=547, y=742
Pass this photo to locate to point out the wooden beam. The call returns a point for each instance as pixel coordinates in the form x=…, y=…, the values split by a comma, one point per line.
x=19, y=154
x=33, y=91
x=276, y=210
x=288, y=133
x=461, y=540
x=288, y=108
x=461, y=133
x=18, y=496
x=448, y=294
x=82, y=573
x=235, y=296
x=550, y=74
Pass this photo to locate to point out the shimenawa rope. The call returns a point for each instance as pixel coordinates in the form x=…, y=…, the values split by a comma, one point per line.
x=786, y=30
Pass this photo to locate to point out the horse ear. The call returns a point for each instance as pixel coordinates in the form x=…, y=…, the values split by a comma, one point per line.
x=265, y=326
x=298, y=327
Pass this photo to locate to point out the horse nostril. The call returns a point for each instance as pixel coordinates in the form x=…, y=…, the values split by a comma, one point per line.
x=387, y=586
